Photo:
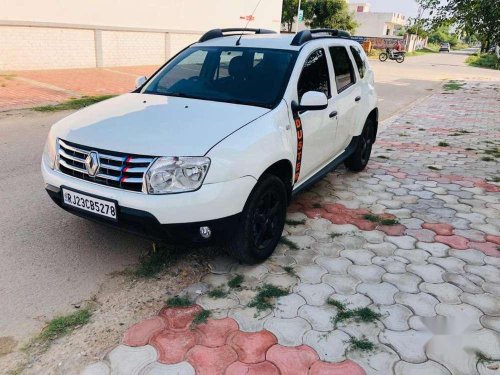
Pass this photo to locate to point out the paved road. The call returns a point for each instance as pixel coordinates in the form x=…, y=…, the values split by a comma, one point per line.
x=50, y=259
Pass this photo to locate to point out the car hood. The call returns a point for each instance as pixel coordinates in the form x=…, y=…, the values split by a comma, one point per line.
x=155, y=125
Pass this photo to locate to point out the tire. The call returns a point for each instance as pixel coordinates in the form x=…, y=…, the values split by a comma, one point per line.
x=400, y=59
x=383, y=56
x=261, y=222
x=360, y=157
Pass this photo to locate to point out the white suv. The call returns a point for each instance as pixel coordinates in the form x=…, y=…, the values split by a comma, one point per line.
x=213, y=146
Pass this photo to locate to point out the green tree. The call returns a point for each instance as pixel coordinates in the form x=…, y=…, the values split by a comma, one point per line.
x=290, y=8
x=329, y=14
x=473, y=17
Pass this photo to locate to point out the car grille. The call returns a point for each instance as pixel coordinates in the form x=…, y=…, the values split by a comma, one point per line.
x=119, y=170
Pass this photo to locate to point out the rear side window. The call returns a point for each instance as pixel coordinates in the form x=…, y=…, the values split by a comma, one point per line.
x=344, y=71
x=314, y=76
x=360, y=61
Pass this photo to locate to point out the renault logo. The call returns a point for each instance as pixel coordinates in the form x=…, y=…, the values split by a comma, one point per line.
x=92, y=163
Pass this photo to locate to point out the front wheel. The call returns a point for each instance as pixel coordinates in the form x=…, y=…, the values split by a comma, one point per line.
x=262, y=221
x=383, y=56
x=400, y=58
x=359, y=159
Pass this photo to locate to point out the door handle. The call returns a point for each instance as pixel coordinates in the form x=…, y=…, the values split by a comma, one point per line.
x=333, y=114
x=358, y=98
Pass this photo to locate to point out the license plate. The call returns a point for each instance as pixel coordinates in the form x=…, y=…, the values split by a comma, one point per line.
x=98, y=206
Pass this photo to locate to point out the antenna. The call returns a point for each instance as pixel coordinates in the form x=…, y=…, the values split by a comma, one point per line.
x=248, y=21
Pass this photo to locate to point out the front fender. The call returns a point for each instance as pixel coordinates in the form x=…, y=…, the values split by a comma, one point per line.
x=253, y=148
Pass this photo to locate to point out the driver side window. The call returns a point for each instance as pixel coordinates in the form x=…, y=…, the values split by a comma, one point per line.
x=314, y=76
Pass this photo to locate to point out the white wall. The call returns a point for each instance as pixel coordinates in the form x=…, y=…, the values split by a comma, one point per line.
x=187, y=15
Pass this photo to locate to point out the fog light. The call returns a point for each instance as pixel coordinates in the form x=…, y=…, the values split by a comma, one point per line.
x=205, y=232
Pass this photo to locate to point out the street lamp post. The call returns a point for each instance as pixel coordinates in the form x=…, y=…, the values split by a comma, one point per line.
x=298, y=16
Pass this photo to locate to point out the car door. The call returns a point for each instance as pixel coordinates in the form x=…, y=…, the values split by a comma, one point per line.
x=318, y=128
x=347, y=94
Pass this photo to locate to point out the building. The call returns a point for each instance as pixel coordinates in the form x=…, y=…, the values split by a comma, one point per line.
x=49, y=34
x=376, y=24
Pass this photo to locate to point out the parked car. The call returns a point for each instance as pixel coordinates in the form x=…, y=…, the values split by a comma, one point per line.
x=214, y=145
x=444, y=47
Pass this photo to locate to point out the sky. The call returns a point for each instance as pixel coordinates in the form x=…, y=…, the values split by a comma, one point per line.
x=406, y=7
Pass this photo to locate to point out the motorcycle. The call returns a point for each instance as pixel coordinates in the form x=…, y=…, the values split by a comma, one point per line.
x=399, y=56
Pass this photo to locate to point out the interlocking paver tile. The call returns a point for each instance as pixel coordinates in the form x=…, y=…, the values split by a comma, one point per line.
x=433, y=276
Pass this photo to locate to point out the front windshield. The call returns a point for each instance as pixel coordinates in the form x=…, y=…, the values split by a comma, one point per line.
x=250, y=76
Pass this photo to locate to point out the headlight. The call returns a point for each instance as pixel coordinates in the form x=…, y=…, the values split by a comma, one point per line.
x=176, y=174
x=50, y=151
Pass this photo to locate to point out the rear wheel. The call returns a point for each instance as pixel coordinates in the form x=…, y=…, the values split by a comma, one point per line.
x=262, y=221
x=383, y=56
x=400, y=58
x=359, y=159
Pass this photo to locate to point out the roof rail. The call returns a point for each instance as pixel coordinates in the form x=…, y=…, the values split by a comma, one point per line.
x=219, y=33
x=305, y=36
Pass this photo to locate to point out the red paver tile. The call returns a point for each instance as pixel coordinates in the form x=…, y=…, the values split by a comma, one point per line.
x=441, y=229
x=489, y=248
x=457, y=242
x=292, y=360
x=16, y=94
x=251, y=347
x=211, y=361
x=173, y=346
x=392, y=230
x=140, y=334
x=488, y=187
x=215, y=332
x=492, y=238
x=179, y=318
x=262, y=368
x=343, y=368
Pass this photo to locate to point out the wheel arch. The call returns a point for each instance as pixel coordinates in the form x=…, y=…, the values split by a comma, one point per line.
x=282, y=169
x=373, y=116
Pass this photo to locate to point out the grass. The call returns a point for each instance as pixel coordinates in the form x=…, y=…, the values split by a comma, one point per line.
x=292, y=245
x=483, y=358
x=295, y=222
x=484, y=60
x=155, y=262
x=78, y=103
x=178, y=302
x=433, y=168
x=382, y=157
x=262, y=300
x=495, y=152
x=334, y=235
x=235, y=282
x=289, y=270
x=316, y=205
x=380, y=220
x=217, y=293
x=487, y=158
x=453, y=86
x=421, y=52
x=361, y=344
x=443, y=144
x=59, y=327
x=363, y=314
x=201, y=317
x=494, y=179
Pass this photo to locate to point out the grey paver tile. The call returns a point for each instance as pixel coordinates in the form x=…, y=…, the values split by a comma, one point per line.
x=125, y=360
x=382, y=293
x=430, y=273
x=331, y=346
x=450, y=264
x=288, y=306
x=426, y=368
x=98, y=368
x=487, y=303
x=465, y=284
x=334, y=265
x=444, y=292
x=421, y=303
x=467, y=315
x=410, y=345
x=383, y=249
x=395, y=317
x=414, y=256
x=367, y=274
x=249, y=319
x=405, y=282
x=289, y=332
x=156, y=368
x=436, y=249
x=488, y=272
x=315, y=294
x=402, y=242
x=343, y=284
x=362, y=257
x=319, y=317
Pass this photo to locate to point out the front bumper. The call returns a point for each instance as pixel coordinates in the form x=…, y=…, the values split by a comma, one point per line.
x=144, y=224
x=171, y=217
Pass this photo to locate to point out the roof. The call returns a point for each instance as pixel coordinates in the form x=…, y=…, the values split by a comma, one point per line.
x=273, y=41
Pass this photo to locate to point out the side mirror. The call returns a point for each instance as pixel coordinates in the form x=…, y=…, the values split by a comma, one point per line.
x=311, y=101
x=140, y=81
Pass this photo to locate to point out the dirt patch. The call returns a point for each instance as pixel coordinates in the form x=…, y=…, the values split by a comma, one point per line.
x=120, y=302
x=7, y=345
